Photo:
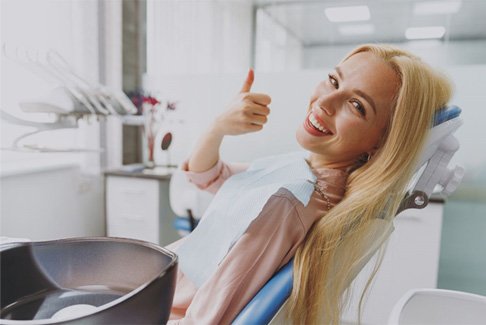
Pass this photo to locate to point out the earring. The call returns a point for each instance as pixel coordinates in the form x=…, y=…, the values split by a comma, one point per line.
x=364, y=158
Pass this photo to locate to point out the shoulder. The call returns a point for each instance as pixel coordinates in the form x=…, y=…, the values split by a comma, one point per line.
x=284, y=209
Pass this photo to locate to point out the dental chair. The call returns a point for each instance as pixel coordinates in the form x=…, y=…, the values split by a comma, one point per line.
x=432, y=173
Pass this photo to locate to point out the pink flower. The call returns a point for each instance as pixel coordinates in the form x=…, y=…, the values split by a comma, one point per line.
x=151, y=100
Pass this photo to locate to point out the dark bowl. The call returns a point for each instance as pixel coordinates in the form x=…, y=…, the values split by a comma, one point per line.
x=86, y=281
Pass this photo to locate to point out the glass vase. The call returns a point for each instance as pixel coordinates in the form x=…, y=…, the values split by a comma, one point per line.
x=152, y=123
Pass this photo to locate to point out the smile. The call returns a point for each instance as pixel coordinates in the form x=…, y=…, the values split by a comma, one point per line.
x=314, y=127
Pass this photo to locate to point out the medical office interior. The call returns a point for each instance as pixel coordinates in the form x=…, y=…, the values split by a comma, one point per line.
x=106, y=171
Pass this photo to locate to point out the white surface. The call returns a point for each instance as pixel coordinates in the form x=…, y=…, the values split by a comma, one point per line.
x=74, y=311
x=439, y=307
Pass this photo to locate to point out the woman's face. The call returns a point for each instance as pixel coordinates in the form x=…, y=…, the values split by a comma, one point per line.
x=349, y=111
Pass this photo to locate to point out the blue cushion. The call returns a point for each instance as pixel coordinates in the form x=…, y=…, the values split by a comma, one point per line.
x=446, y=114
x=183, y=223
x=266, y=303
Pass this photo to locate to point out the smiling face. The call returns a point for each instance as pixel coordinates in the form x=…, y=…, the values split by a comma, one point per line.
x=349, y=112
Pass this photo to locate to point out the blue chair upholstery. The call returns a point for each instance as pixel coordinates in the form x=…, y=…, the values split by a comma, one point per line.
x=446, y=114
x=263, y=307
x=183, y=223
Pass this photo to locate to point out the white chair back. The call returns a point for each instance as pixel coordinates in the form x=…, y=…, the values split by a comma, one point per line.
x=184, y=196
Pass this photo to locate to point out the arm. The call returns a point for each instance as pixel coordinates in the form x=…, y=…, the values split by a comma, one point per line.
x=269, y=243
x=247, y=113
x=212, y=179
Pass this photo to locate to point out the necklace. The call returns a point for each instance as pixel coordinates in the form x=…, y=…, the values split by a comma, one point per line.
x=321, y=190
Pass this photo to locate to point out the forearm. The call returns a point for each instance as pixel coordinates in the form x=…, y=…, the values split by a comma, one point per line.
x=206, y=153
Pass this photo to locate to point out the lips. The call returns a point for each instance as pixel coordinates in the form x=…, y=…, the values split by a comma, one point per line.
x=314, y=125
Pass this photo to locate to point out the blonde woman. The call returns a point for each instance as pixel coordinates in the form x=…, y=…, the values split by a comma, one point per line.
x=363, y=130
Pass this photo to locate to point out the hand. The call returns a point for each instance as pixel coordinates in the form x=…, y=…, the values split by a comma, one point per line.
x=246, y=113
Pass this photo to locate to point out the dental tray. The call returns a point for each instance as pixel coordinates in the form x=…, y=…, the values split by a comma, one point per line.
x=86, y=281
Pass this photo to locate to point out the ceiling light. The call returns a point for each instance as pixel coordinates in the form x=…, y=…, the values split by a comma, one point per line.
x=437, y=7
x=425, y=32
x=358, y=29
x=342, y=14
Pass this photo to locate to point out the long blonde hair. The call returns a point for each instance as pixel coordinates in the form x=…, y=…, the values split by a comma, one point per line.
x=322, y=272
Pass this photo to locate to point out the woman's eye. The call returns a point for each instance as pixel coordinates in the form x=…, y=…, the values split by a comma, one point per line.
x=359, y=107
x=333, y=81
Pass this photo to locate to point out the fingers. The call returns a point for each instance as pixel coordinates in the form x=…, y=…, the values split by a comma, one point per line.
x=248, y=82
x=255, y=127
x=258, y=98
x=256, y=115
x=258, y=119
x=259, y=110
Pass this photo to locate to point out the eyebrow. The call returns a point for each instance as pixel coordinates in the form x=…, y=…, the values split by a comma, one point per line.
x=359, y=92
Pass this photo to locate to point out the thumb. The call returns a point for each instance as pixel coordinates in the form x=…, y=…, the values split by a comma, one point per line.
x=248, y=82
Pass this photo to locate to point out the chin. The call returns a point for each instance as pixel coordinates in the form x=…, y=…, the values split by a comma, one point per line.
x=302, y=139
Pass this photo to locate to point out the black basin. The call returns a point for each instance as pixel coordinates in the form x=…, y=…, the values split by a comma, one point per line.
x=86, y=281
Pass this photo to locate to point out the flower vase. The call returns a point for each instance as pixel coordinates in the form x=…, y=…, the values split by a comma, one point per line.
x=152, y=124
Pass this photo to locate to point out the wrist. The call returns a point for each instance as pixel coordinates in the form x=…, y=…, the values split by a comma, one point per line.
x=215, y=132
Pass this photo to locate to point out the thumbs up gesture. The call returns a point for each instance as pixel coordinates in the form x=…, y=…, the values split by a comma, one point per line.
x=246, y=113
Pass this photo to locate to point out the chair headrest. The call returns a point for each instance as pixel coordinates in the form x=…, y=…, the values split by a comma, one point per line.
x=446, y=122
x=445, y=114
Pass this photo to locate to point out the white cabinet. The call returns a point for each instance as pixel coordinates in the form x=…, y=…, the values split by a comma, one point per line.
x=139, y=208
x=411, y=261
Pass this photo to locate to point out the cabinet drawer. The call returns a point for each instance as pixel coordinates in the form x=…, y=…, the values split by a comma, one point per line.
x=132, y=208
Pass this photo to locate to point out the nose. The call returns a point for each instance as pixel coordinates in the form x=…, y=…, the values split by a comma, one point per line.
x=326, y=104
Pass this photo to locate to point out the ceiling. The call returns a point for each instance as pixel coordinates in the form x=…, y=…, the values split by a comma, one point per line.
x=306, y=20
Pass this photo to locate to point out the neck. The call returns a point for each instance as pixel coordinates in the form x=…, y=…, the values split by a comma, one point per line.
x=319, y=161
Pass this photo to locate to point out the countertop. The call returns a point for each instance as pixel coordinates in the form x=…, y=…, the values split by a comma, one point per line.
x=140, y=171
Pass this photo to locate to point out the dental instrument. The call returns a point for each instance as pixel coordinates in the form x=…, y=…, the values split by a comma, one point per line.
x=73, y=98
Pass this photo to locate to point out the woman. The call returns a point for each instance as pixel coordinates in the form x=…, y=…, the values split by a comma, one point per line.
x=364, y=128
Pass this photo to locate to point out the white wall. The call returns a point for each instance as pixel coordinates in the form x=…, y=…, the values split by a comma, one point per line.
x=48, y=195
x=470, y=95
x=198, y=36
x=277, y=49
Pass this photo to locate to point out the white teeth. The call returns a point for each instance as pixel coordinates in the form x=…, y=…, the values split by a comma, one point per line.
x=316, y=124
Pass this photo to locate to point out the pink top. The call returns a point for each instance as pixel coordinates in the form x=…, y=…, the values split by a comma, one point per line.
x=268, y=244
